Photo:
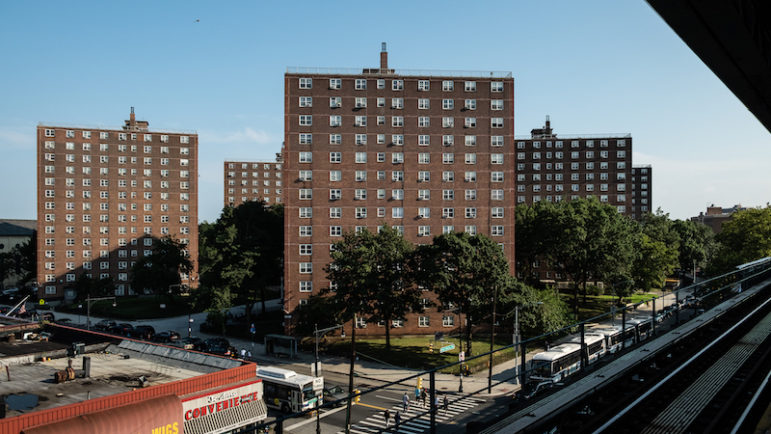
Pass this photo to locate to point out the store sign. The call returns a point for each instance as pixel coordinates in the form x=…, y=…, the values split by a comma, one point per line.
x=221, y=400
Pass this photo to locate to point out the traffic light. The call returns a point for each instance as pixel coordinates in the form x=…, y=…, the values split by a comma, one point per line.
x=357, y=395
x=420, y=383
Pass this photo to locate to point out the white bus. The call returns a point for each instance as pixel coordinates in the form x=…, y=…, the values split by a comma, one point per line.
x=289, y=391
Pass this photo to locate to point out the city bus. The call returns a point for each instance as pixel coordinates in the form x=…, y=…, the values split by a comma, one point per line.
x=289, y=391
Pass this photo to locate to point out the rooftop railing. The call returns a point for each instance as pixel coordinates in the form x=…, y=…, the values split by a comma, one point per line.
x=397, y=72
x=110, y=128
x=574, y=137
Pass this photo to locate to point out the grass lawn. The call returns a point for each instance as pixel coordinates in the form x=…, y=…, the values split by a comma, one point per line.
x=413, y=351
x=600, y=304
x=133, y=308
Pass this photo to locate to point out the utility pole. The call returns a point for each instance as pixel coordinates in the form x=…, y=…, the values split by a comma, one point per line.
x=492, y=341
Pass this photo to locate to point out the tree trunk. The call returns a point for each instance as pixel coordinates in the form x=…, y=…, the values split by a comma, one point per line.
x=262, y=296
x=468, y=336
x=575, y=299
x=350, y=377
x=388, y=333
x=584, y=286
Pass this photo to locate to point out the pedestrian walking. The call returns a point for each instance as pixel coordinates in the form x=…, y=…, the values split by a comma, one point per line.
x=436, y=402
x=249, y=354
x=405, y=402
x=423, y=396
x=386, y=416
x=397, y=419
x=243, y=353
x=445, y=404
x=417, y=394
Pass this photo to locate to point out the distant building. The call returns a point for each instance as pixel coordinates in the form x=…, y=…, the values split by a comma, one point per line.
x=253, y=180
x=556, y=168
x=642, y=191
x=428, y=152
x=13, y=234
x=716, y=216
x=105, y=195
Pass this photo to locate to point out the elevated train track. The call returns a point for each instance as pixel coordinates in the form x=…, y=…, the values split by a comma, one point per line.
x=699, y=377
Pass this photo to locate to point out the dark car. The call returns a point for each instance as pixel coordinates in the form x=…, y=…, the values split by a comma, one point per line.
x=166, y=337
x=104, y=325
x=335, y=394
x=64, y=321
x=217, y=346
x=145, y=332
x=123, y=329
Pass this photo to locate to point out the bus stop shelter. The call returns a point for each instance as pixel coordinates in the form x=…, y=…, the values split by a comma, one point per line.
x=280, y=345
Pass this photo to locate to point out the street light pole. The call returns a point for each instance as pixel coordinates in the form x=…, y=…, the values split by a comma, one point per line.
x=492, y=341
x=515, y=338
x=316, y=333
x=88, y=307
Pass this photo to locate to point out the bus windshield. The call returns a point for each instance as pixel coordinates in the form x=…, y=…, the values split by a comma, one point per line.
x=542, y=368
x=308, y=392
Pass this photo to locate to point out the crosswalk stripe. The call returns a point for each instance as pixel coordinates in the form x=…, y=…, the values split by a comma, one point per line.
x=417, y=419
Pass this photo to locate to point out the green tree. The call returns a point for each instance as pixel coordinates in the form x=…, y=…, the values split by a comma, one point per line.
x=321, y=311
x=593, y=242
x=540, y=310
x=7, y=266
x=242, y=252
x=350, y=271
x=654, y=261
x=390, y=283
x=697, y=243
x=160, y=272
x=536, y=228
x=463, y=271
x=27, y=260
x=744, y=238
x=86, y=287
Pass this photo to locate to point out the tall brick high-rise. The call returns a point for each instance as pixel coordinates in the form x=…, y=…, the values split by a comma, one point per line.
x=561, y=168
x=429, y=152
x=106, y=195
x=642, y=191
x=253, y=180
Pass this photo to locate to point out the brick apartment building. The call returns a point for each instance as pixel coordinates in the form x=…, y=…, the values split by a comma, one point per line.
x=253, y=180
x=427, y=152
x=642, y=192
x=554, y=169
x=104, y=195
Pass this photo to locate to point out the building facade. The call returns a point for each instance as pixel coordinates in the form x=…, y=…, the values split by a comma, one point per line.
x=554, y=169
x=642, y=191
x=106, y=195
x=425, y=152
x=716, y=216
x=253, y=180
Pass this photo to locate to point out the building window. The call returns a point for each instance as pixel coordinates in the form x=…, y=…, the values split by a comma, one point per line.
x=360, y=84
x=448, y=321
x=397, y=85
x=306, y=267
x=335, y=83
x=470, y=86
x=306, y=120
x=423, y=321
x=306, y=83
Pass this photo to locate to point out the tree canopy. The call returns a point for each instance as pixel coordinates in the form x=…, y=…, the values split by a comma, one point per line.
x=242, y=252
x=160, y=272
x=744, y=238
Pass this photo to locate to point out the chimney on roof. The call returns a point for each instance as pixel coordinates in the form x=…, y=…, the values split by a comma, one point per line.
x=543, y=133
x=383, y=56
x=132, y=117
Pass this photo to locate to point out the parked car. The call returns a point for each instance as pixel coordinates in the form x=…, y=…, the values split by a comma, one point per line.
x=166, y=337
x=123, y=329
x=191, y=343
x=104, y=325
x=219, y=346
x=145, y=332
x=64, y=321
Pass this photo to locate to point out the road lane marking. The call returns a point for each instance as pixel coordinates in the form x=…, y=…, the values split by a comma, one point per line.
x=371, y=406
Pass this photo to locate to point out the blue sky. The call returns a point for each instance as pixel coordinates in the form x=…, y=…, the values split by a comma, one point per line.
x=593, y=66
